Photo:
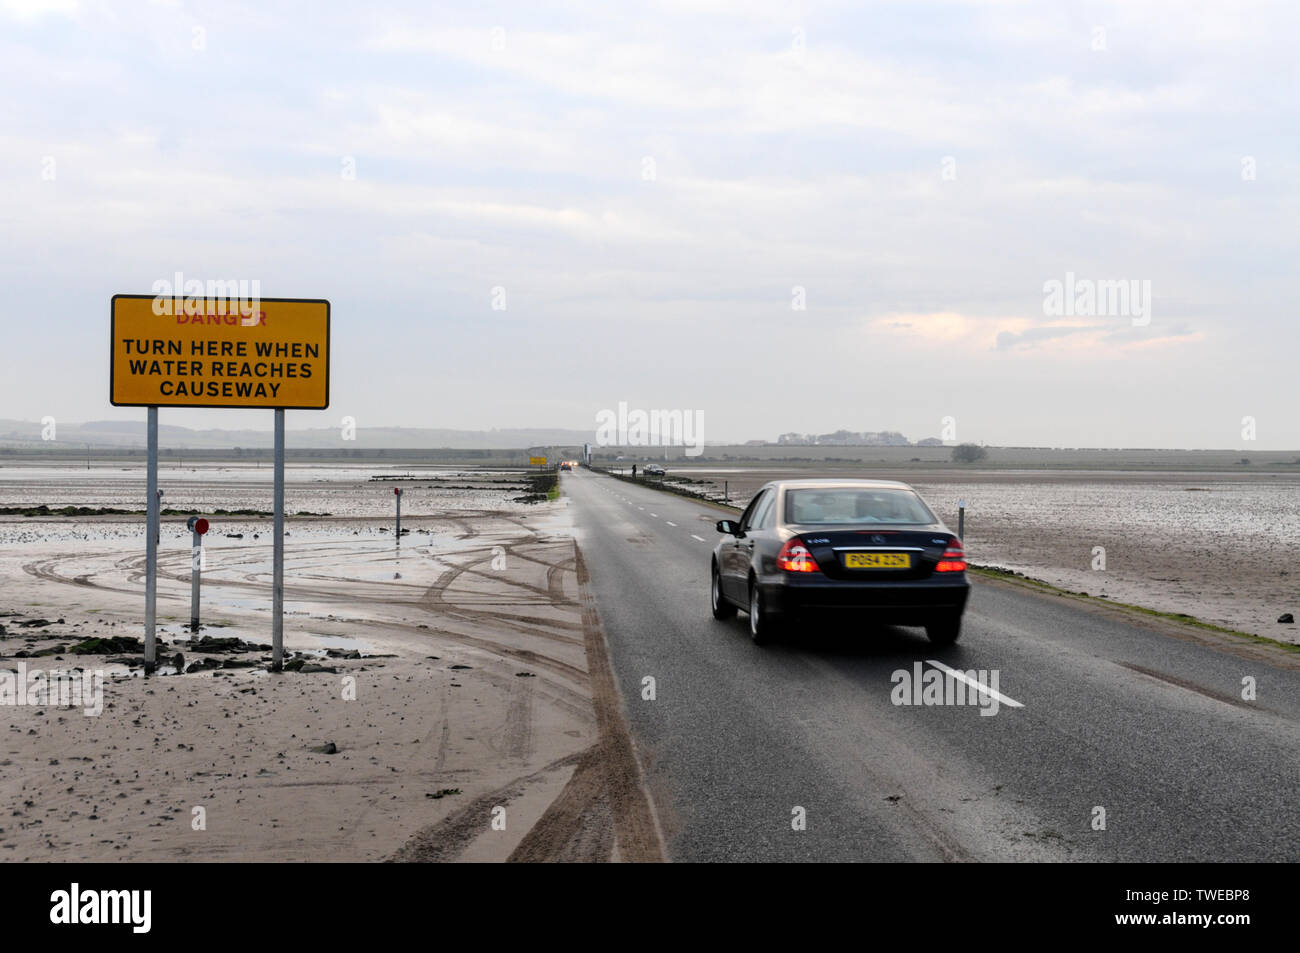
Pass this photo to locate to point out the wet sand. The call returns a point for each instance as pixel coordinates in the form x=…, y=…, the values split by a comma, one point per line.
x=470, y=727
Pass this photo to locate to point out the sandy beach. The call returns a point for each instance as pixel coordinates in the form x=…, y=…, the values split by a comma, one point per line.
x=445, y=706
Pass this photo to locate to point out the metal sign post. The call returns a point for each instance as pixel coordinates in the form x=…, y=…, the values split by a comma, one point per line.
x=151, y=544
x=277, y=565
x=397, y=492
x=195, y=351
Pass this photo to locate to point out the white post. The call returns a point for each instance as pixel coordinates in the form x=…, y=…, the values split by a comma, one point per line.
x=151, y=544
x=277, y=567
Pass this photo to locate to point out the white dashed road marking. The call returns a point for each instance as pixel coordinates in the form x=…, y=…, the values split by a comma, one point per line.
x=971, y=683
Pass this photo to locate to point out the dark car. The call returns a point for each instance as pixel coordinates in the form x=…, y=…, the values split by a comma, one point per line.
x=868, y=548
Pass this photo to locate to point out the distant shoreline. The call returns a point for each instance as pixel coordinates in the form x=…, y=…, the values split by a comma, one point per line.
x=923, y=459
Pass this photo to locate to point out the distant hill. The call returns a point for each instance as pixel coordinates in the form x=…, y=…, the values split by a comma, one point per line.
x=131, y=433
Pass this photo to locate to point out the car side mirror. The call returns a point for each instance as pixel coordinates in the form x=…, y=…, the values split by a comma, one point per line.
x=729, y=527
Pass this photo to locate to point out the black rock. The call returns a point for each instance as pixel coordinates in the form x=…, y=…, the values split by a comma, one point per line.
x=108, y=646
x=1286, y=618
x=52, y=650
x=208, y=644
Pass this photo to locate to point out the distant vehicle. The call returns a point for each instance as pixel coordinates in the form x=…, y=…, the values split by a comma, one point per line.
x=866, y=549
x=566, y=465
x=654, y=469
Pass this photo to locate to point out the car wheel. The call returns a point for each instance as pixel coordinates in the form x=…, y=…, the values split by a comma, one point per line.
x=944, y=630
x=762, y=627
x=722, y=609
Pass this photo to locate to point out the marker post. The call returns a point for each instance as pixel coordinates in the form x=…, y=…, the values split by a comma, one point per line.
x=397, y=492
x=961, y=519
x=198, y=526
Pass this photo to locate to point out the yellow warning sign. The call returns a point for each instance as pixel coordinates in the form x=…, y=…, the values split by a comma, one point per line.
x=187, y=352
x=537, y=461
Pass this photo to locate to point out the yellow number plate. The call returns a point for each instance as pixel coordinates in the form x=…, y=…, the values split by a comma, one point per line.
x=877, y=561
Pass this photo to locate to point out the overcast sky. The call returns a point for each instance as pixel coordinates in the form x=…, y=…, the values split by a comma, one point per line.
x=650, y=182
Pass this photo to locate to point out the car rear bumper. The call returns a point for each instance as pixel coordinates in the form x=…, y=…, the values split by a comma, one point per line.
x=888, y=601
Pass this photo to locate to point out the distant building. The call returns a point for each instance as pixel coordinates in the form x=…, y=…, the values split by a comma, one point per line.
x=845, y=438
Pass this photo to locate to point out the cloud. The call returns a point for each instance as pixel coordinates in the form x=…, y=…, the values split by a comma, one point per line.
x=1031, y=337
x=516, y=159
x=34, y=9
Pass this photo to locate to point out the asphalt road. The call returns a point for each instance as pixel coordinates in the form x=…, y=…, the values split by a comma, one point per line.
x=1141, y=719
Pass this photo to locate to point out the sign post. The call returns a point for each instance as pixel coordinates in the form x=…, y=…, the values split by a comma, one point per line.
x=151, y=544
x=277, y=561
x=397, y=492
x=271, y=353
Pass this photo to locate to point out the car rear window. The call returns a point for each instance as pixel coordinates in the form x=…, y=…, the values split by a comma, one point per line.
x=849, y=505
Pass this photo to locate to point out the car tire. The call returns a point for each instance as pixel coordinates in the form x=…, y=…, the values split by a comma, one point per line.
x=722, y=609
x=944, y=630
x=762, y=625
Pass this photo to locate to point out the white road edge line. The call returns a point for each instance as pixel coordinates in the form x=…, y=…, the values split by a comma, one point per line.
x=971, y=683
x=700, y=538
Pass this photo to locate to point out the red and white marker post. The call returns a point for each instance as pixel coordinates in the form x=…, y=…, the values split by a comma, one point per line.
x=198, y=526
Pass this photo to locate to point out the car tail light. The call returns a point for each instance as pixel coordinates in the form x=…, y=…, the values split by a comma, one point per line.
x=953, y=558
x=795, y=557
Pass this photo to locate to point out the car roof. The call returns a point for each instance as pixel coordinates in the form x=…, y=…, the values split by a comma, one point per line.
x=827, y=483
